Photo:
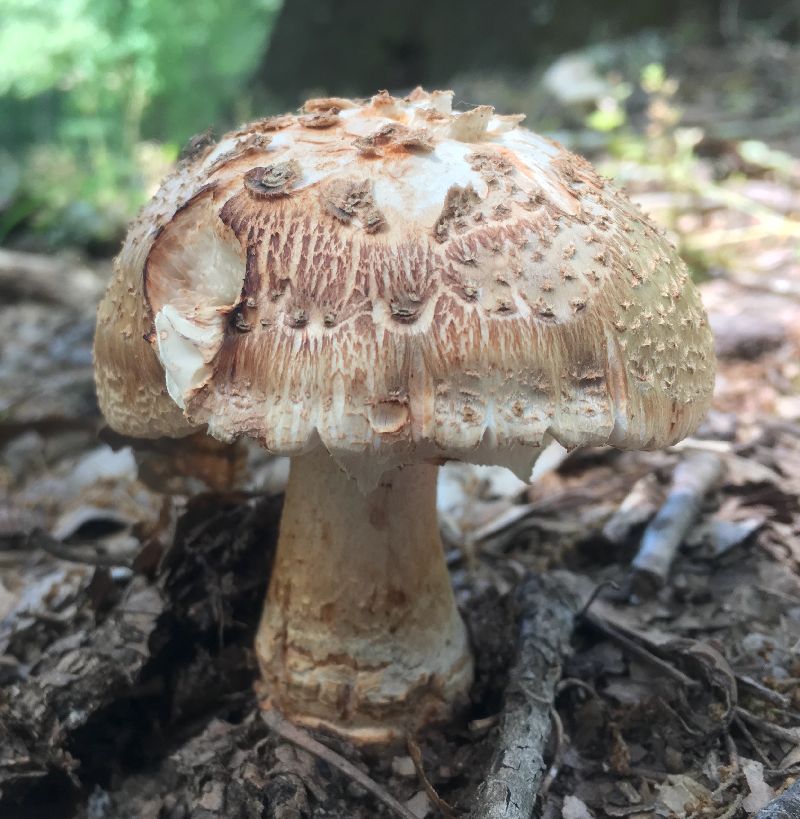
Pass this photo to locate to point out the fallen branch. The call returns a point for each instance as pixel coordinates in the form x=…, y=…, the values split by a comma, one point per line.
x=49, y=278
x=786, y=806
x=547, y=610
x=42, y=716
x=693, y=479
x=302, y=739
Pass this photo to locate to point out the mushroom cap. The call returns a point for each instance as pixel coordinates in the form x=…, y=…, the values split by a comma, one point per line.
x=400, y=282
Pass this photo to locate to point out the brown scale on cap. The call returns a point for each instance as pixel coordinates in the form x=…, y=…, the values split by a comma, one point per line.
x=268, y=125
x=197, y=146
x=273, y=180
x=394, y=136
x=335, y=104
x=404, y=285
x=459, y=203
x=253, y=143
x=347, y=199
x=320, y=119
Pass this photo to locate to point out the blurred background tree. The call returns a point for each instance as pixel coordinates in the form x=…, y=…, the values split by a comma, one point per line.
x=97, y=96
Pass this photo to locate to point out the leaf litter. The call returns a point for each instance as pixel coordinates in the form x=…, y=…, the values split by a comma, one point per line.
x=128, y=605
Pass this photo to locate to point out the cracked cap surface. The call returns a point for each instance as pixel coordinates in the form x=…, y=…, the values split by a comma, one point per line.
x=400, y=282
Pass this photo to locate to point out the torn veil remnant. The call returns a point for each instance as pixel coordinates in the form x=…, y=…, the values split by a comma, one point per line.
x=372, y=291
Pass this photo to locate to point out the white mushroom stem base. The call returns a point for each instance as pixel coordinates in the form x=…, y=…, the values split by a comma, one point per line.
x=360, y=633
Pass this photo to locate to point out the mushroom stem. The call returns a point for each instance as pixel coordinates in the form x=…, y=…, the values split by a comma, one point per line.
x=361, y=633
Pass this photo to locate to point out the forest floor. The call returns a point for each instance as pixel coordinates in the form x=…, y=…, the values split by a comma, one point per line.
x=127, y=614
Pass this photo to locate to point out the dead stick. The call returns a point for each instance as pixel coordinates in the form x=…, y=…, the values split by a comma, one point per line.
x=636, y=509
x=789, y=735
x=786, y=806
x=754, y=744
x=302, y=739
x=547, y=609
x=48, y=278
x=693, y=479
x=762, y=692
x=76, y=553
x=618, y=636
x=415, y=752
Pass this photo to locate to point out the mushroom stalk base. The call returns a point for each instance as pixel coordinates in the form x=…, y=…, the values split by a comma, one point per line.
x=360, y=633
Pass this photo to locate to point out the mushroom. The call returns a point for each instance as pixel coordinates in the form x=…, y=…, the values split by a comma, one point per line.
x=373, y=290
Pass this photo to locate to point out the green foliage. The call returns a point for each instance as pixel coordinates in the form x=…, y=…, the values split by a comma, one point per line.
x=660, y=152
x=609, y=115
x=95, y=95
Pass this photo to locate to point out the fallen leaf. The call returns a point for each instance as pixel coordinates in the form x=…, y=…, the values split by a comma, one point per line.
x=574, y=808
x=419, y=805
x=678, y=793
x=760, y=792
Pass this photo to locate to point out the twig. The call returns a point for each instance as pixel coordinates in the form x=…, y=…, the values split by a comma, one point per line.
x=790, y=735
x=519, y=515
x=547, y=609
x=735, y=769
x=734, y=808
x=77, y=553
x=302, y=739
x=754, y=744
x=693, y=479
x=635, y=510
x=558, y=756
x=760, y=690
x=789, y=770
x=786, y=806
x=573, y=682
x=617, y=635
x=606, y=584
x=416, y=757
